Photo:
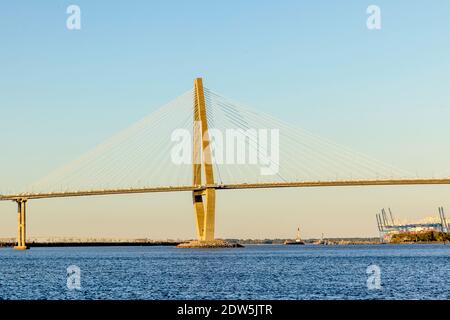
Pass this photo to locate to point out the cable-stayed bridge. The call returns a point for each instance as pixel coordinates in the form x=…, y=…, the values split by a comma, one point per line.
x=202, y=142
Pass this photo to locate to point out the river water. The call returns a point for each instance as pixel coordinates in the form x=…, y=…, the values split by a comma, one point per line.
x=253, y=272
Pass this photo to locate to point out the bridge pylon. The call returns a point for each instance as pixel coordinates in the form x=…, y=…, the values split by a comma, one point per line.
x=21, y=225
x=205, y=200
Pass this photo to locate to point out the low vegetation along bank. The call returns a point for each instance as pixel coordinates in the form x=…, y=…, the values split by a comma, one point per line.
x=429, y=236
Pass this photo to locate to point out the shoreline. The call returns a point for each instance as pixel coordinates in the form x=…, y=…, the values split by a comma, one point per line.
x=93, y=244
x=176, y=243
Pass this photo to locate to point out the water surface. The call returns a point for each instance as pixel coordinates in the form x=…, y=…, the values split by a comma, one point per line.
x=253, y=272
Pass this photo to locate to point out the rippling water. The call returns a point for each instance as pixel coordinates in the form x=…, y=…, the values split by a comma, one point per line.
x=253, y=272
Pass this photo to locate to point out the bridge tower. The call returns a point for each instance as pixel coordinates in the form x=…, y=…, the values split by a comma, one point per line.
x=21, y=226
x=204, y=200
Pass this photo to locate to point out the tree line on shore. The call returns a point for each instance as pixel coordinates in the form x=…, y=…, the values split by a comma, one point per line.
x=427, y=236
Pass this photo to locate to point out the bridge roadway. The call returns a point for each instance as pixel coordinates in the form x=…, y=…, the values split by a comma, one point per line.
x=335, y=183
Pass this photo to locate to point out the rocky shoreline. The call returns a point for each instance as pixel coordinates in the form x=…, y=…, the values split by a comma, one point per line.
x=209, y=244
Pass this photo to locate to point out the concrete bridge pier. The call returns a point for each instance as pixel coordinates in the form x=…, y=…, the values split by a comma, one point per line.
x=21, y=225
x=205, y=200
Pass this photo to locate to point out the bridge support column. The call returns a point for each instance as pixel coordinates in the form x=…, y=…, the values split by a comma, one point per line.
x=204, y=200
x=204, y=208
x=21, y=224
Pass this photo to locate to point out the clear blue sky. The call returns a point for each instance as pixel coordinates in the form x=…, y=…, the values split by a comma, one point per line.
x=314, y=64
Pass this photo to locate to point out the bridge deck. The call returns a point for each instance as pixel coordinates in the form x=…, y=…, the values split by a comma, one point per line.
x=336, y=183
